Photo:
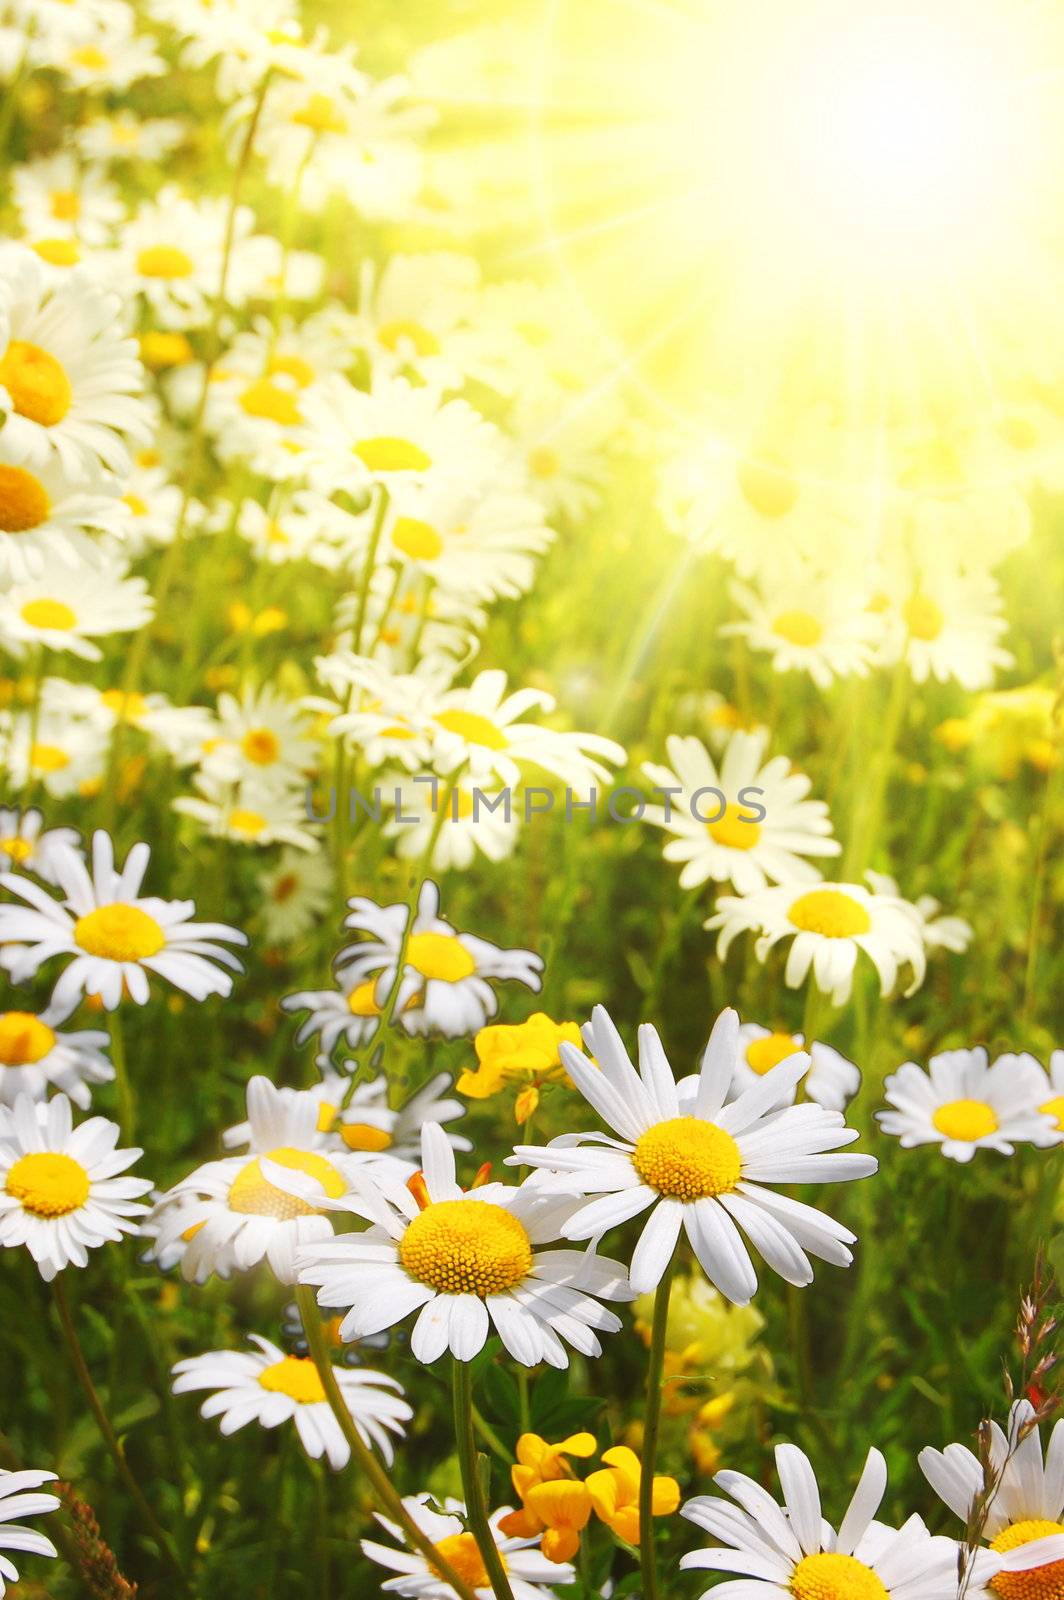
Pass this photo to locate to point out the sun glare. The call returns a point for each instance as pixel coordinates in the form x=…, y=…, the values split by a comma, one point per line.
x=847, y=207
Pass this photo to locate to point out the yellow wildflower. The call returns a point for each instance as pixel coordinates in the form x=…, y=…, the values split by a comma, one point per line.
x=615, y=1493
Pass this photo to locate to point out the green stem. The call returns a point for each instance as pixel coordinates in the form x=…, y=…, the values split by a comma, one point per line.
x=387, y=1496
x=368, y=568
x=1052, y=787
x=362, y=1057
x=127, y=1107
x=110, y=1438
x=473, y=1488
x=868, y=812
x=651, y=1423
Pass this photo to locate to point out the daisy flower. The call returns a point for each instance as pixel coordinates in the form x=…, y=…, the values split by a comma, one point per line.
x=949, y=627
x=444, y=987
x=296, y=892
x=963, y=1104
x=367, y=1125
x=828, y=926
x=115, y=936
x=47, y=515
x=792, y=1549
x=392, y=434
x=762, y=829
x=530, y=1574
x=476, y=820
x=831, y=1081
x=818, y=627
x=1023, y=1518
x=60, y=1191
x=269, y=1387
x=386, y=713
x=170, y=253
x=16, y=1500
x=477, y=543
x=465, y=1261
x=123, y=136
x=696, y=1163
x=414, y=314
x=71, y=381
x=182, y=732
x=261, y=736
x=242, y=1214
x=65, y=757
x=24, y=842
x=111, y=59
x=70, y=605
x=349, y=1012
x=55, y=198
x=478, y=726
x=35, y=1057
x=253, y=813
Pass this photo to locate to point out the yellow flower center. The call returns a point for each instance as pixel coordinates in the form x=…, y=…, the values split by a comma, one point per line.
x=364, y=1136
x=64, y=205
x=48, y=1183
x=473, y=728
x=48, y=614
x=128, y=707
x=1040, y=1583
x=160, y=349
x=543, y=462
x=292, y=366
x=119, y=933
x=687, y=1158
x=164, y=261
x=466, y=1247
x=965, y=1119
x=416, y=539
x=249, y=823
x=138, y=506
x=295, y=1376
x=252, y=1195
x=924, y=618
x=16, y=849
x=460, y=1552
x=767, y=1052
x=767, y=488
x=24, y=501
x=1052, y=1108
x=270, y=401
x=733, y=831
x=90, y=57
x=59, y=252
x=798, y=627
x=24, y=1039
x=321, y=115
x=48, y=758
x=831, y=914
x=832, y=1576
x=386, y=454
x=37, y=383
x=439, y=955
x=424, y=341
x=360, y=1001
x=261, y=746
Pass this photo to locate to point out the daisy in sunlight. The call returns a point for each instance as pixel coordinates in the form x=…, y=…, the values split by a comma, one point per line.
x=814, y=626
x=271, y=1388
x=35, y=1056
x=697, y=1164
x=61, y=1193
x=791, y=1548
x=1022, y=1521
x=469, y=1262
x=71, y=605
x=26, y=843
x=761, y=832
x=828, y=926
x=530, y=1574
x=115, y=936
x=962, y=1104
x=19, y=1498
x=447, y=977
x=831, y=1081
